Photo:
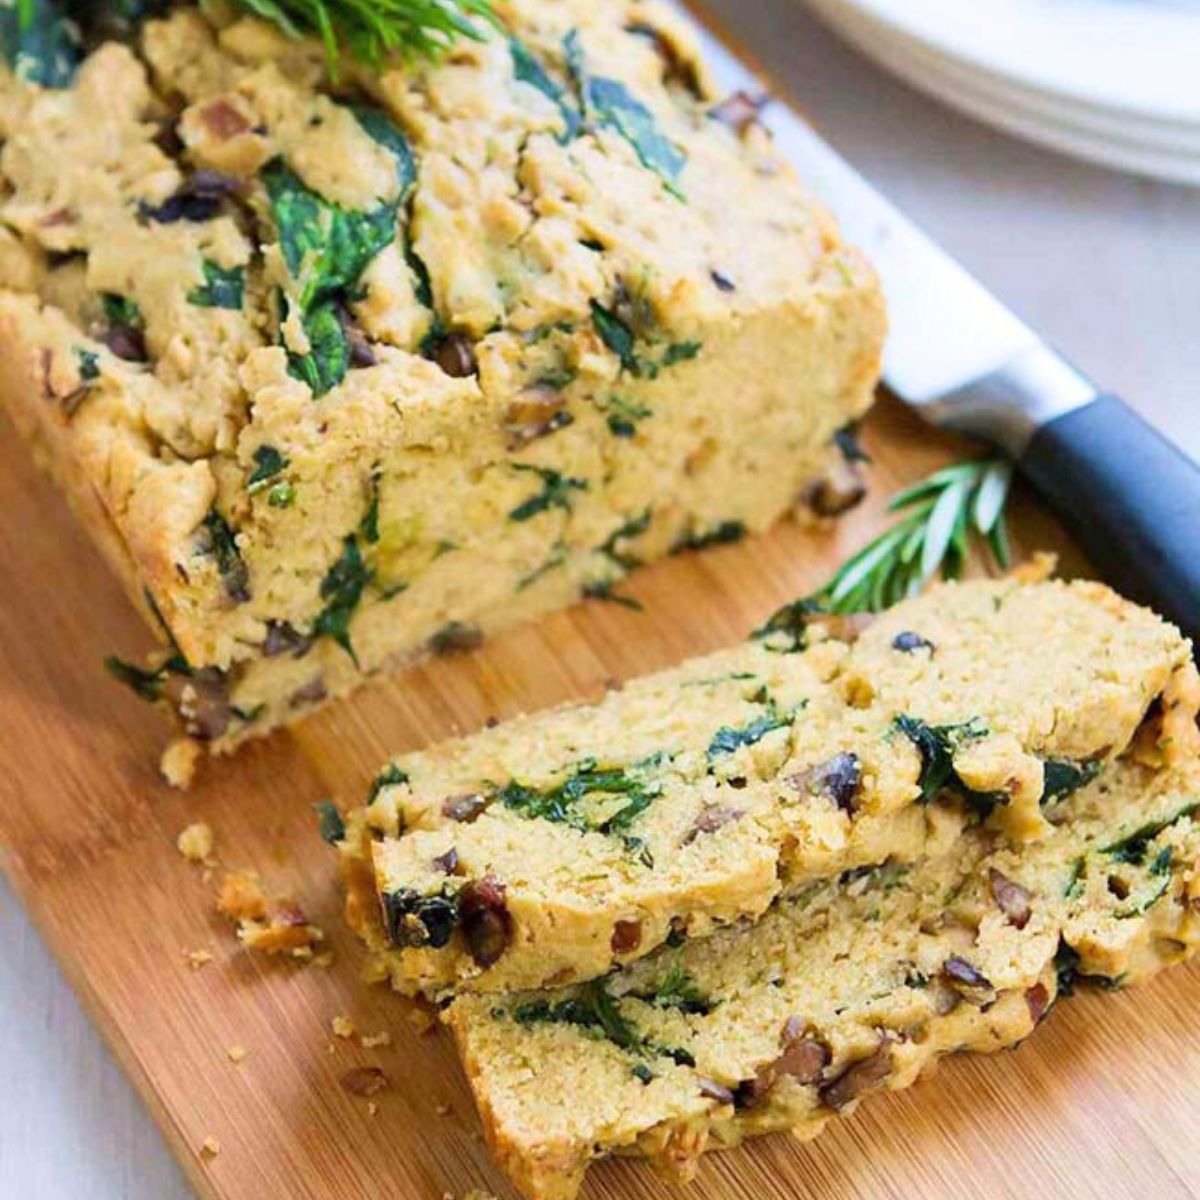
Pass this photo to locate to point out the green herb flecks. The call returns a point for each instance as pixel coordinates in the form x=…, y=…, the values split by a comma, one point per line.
x=222, y=544
x=620, y=337
x=89, y=364
x=605, y=589
x=729, y=739
x=1132, y=847
x=937, y=745
x=1154, y=886
x=721, y=534
x=121, y=312
x=1061, y=777
x=222, y=288
x=369, y=528
x=41, y=43
x=390, y=776
x=677, y=352
x=786, y=630
x=595, y=1009
x=143, y=682
x=940, y=515
x=616, y=335
x=556, y=492
x=1133, y=871
x=329, y=821
x=624, y=415
x=342, y=589
x=148, y=683
x=629, y=529
x=676, y=988
x=591, y=798
x=527, y=69
x=282, y=495
x=555, y=559
x=268, y=463
x=609, y=103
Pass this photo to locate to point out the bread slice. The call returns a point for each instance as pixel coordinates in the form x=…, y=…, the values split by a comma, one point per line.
x=341, y=376
x=550, y=848
x=852, y=986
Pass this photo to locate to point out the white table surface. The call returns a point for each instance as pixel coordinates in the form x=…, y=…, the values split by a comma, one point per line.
x=1107, y=266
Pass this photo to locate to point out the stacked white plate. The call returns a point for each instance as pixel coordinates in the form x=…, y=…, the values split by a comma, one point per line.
x=1113, y=81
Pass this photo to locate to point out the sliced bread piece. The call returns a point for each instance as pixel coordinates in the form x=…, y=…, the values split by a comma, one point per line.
x=852, y=986
x=547, y=849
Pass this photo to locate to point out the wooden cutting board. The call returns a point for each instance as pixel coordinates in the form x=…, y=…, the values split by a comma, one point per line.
x=1104, y=1100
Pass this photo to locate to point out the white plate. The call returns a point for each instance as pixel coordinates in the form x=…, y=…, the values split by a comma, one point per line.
x=1121, y=87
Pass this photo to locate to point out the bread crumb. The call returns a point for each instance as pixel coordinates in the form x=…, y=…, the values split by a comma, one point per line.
x=196, y=842
x=236, y=1053
x=178, y=762
x=370, y=1041
x=1038, y=567
x=197, y=958
x=241, y=897
x=324, y=960
x=372, y=1107
x=210, y=1147
x=421, y=1015
x=342, y=1027
x=442, y=1110
x=268, y=926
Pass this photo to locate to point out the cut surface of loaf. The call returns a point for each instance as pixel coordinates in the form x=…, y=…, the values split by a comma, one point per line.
x=553, y=847
x=341, y=376
x=850, y=987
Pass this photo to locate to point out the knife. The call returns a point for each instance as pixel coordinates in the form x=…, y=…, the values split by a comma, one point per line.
x=963, y=361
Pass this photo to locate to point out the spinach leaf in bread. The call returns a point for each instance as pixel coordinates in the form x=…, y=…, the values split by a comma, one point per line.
x=222, y=287
x=41, y=43
x=527, y=69
x=609, y=103
x=342, y=589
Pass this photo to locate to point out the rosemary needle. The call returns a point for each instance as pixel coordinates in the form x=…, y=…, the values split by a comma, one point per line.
x=938, y=517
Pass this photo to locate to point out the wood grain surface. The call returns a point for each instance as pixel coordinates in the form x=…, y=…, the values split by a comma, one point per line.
x=1102, y=1101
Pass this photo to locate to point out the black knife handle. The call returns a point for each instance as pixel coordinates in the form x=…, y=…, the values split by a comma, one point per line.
x=1129, y=498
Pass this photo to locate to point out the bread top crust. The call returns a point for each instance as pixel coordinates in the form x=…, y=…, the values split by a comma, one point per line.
x=556, y=205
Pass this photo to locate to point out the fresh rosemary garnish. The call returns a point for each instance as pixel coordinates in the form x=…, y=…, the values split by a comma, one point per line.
x=40, y=39
x=371, y=29
x=941, y=513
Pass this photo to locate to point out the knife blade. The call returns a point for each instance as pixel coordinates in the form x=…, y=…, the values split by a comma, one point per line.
x=962, y=360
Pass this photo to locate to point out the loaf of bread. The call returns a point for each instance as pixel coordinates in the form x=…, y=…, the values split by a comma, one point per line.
x=340, y=374
x=851, y=986
x=551, y=848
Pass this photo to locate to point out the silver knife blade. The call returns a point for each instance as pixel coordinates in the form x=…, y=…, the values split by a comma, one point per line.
x=953, y=350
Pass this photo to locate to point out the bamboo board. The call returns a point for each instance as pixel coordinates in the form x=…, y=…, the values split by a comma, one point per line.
x=1104, y=1100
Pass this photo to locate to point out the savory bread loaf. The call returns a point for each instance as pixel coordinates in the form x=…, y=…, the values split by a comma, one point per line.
x=342, y=372
x=849, y=987
x=550, y=848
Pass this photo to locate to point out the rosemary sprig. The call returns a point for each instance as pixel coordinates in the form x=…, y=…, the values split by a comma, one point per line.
x=41, y=40
x=941, y=513
x=371, y=29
